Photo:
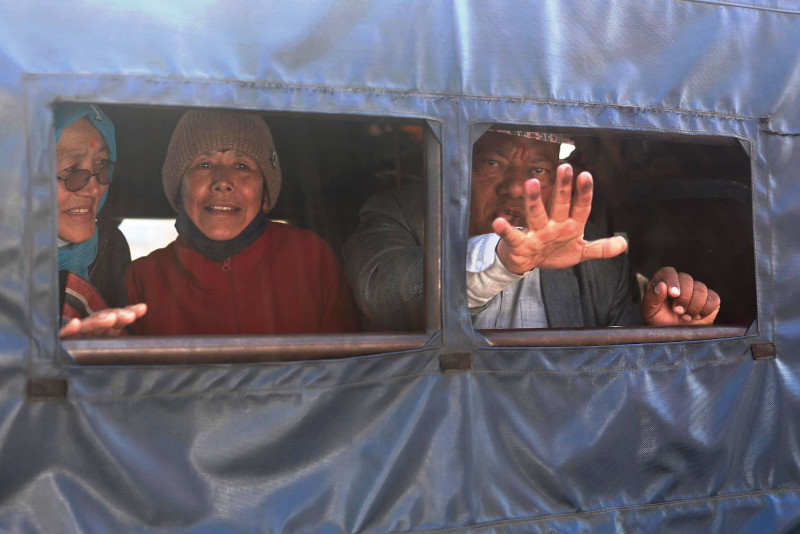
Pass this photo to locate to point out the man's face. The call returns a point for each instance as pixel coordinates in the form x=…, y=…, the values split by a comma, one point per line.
x=222, y=192
x=501, y=164
x=80, y=147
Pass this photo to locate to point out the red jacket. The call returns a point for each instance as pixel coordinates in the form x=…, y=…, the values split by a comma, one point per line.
x=286, y=282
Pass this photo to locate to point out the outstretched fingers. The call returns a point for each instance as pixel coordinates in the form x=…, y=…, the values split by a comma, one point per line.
x=535, y=212
x=604, y=248
x=508, y=233
x=561, y=201
x=582, y=201
x=109, y=322
x=71, y=328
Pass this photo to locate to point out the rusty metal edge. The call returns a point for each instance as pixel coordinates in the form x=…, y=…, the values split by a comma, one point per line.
x=237, y=349
x=574, y=337
x=285, y=348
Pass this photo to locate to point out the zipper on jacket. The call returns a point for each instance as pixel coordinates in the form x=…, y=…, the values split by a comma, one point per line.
x=226, y=266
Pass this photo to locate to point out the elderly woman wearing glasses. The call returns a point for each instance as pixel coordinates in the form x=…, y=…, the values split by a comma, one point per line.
x=91, y=256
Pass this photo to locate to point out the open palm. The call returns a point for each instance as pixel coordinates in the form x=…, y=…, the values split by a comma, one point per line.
x=553, y=238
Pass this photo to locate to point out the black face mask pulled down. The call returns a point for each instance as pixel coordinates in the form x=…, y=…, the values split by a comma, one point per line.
x=219, y=250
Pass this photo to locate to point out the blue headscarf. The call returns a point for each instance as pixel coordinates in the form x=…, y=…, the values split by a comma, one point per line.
x=77, y=257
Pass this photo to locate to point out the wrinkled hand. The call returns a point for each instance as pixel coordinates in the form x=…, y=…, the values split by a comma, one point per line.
x=105, y=323
x=554, y=237
x=673, y=298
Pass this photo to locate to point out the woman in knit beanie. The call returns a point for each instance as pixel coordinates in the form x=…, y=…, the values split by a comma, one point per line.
x=231, y=270
x=91, y=257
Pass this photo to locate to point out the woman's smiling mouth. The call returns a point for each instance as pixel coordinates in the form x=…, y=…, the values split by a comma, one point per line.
x=221, y=209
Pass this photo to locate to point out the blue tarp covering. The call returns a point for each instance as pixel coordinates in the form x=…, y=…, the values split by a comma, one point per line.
x=674, y=437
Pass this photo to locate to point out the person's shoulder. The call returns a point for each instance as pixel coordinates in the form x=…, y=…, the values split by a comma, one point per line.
x=287, y=241
x=110, y=230
x=401, y=207
x=284, y=233
x=112, y=240
x=408, y=196
x=155, y=257
x=289, y=231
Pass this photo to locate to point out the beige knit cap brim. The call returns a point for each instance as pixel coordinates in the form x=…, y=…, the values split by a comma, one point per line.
x=202, y=130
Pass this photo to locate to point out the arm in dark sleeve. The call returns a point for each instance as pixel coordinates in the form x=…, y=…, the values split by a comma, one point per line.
x=113, y=257
x=384, y=260
x=625, y=303
x=609, y=296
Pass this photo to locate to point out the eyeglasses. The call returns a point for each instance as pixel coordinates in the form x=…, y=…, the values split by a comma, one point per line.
x=79, y=178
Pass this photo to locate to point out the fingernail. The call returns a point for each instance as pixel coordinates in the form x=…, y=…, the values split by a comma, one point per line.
x=687, y=318
x=675, y=292
x=679, y=310
x=658, y=289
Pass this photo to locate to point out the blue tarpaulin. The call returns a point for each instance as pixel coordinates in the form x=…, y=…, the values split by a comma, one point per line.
x=695, y=436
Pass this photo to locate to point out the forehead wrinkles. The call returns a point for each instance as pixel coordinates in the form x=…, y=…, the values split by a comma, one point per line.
x=77, y=148
x=517, y=148
x=522, y=153
x=79, y=139
x=536, y=151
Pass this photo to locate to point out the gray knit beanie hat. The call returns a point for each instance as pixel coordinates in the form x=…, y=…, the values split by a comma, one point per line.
x=201, y=130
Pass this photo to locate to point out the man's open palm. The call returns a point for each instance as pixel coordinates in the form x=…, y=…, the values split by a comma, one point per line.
x=553, y=238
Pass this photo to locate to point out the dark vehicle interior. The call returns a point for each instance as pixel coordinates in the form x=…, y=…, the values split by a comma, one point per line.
x=681, y=201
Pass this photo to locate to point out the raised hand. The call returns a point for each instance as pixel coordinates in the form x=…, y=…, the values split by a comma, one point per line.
x=553, y=238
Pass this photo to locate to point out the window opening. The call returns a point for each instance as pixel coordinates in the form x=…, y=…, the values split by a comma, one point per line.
x=683, y=202
x=330, y=165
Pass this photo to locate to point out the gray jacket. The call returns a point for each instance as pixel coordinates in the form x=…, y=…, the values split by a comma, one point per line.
x=384, y=266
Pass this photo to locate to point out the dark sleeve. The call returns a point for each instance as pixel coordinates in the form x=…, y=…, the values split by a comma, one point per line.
x=113, y=257
x=384, y=260
x=609, y=294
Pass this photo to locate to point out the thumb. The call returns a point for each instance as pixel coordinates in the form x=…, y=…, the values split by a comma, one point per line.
x=654, y=297
x=604, y=248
